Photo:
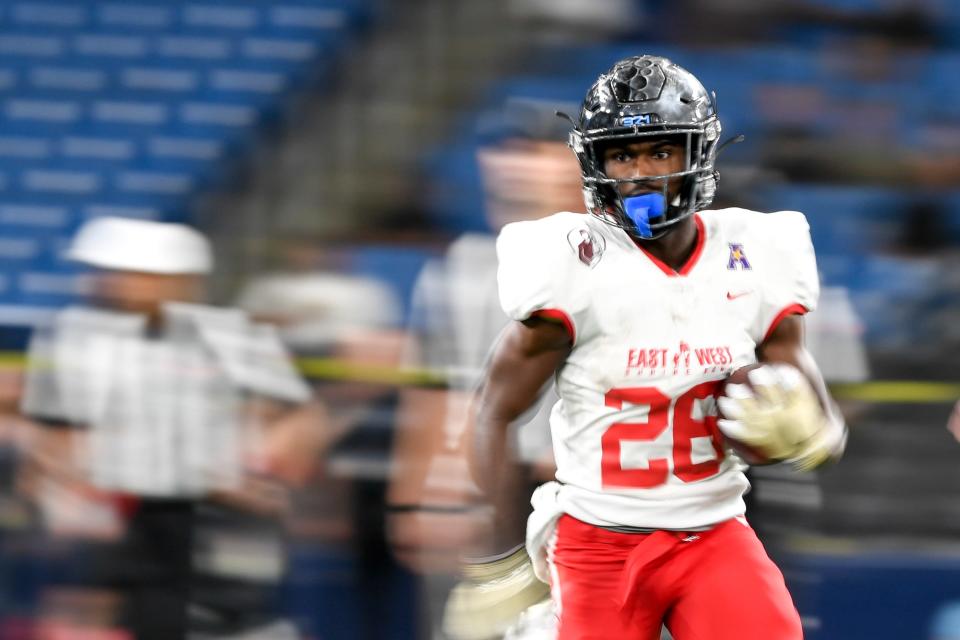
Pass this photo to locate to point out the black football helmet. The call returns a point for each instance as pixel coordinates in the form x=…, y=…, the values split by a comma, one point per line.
x=647, y=96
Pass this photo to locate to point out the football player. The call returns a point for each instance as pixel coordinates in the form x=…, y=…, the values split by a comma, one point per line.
x=640, y=312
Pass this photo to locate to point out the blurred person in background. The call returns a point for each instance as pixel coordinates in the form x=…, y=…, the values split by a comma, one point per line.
x=435, y=514
x=626, y=309
x=162, y=432
x=344, y=326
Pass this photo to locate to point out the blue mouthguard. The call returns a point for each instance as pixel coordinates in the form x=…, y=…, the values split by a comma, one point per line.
x=640, y=209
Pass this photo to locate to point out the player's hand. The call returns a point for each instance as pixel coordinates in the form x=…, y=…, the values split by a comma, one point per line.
x=779, y=415
x=492, y=595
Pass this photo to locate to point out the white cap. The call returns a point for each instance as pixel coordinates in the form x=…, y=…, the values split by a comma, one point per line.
x=127, y=244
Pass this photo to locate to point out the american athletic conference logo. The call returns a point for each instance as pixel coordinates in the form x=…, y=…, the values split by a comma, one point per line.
x=587, y=245
x=738, y=258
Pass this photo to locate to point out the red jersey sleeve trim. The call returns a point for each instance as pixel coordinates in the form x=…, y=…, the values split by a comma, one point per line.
x=793, y=309
x=557, y=314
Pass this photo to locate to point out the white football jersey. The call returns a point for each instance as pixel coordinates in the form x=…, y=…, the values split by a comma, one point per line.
x=165, y=415
x=635, y=434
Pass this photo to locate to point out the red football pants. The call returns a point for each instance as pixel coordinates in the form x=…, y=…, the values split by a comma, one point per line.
x=704, y=585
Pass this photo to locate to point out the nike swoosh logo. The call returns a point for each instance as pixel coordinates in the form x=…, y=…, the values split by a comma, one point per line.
x=734, y=296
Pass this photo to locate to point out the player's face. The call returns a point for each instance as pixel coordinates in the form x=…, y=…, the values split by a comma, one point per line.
x=145, y=292
x=644, y=158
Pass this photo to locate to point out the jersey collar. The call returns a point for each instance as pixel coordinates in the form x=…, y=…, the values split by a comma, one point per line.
x=691, y=261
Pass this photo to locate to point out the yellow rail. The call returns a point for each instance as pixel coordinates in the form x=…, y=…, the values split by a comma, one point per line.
x=874, y=391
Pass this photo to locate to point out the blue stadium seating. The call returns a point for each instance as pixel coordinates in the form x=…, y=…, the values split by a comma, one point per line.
x=131, y=108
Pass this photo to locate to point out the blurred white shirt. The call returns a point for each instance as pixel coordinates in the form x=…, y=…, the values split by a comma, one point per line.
x=165, y=414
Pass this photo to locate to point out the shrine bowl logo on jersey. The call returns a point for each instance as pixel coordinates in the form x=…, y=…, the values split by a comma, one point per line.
x=587, y=245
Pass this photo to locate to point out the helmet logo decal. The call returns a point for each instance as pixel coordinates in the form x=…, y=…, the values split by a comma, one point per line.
x=637, y=80
x=587, y=245
x=737, y=257
x=630, y=121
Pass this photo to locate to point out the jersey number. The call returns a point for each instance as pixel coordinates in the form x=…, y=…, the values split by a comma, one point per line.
x=685, y=429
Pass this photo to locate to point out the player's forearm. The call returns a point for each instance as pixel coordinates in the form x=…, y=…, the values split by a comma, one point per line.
x=494, y=463
x=525, y=358
x=500, y=476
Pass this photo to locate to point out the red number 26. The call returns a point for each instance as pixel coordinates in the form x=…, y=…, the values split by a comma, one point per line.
x=685, y=429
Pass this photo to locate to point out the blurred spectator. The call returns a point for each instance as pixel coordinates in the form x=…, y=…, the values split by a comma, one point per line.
x=317, y=311
x=162, y=432
x=435, y=518
x=345, y=327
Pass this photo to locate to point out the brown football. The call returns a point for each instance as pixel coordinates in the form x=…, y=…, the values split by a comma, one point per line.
x=739, y=376
x=749, y=454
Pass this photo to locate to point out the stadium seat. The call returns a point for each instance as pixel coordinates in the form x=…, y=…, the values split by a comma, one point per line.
x=134, y=108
